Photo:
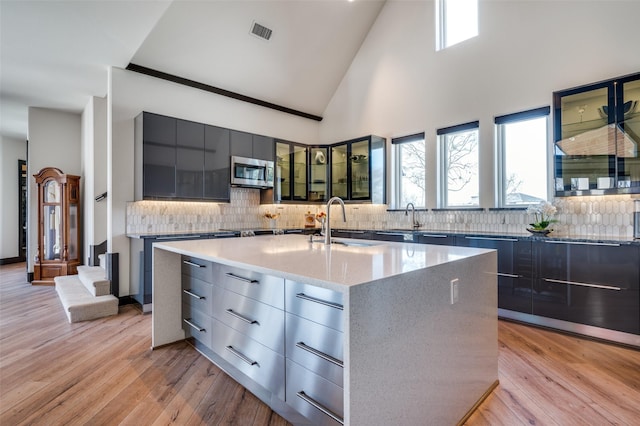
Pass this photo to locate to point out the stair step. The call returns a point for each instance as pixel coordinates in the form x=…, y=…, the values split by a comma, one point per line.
x=79, y=304
x=94, y=279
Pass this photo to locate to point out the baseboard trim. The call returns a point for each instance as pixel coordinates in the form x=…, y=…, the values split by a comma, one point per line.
x=10, y=260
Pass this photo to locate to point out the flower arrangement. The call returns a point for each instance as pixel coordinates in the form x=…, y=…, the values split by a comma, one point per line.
x=543, y=214
x=270, y=215
x=321, y=215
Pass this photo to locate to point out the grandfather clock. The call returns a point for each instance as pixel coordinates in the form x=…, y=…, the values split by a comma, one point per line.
x=59, y=239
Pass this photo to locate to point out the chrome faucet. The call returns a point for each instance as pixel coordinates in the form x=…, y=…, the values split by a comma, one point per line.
x=415, y=223
x=327, y=230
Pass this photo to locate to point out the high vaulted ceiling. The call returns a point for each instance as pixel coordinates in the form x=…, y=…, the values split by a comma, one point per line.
x=56, y=54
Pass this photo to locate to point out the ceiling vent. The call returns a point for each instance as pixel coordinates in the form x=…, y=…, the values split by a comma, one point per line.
x=260, y=31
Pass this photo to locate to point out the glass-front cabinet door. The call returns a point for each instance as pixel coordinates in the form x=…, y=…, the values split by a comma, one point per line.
x=318, y=173
x=291, y=172
x=628, y=141
x=596, y=138
x=339, y=157
x=360, y=170
x=282, y=184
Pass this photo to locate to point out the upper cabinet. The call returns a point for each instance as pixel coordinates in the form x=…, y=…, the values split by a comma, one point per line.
x=597, y=132
x=318, y=173
x=180, y=160
x=358, y=169
x=248, y=145
x=291, y=172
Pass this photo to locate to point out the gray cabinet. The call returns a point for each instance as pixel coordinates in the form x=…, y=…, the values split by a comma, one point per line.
x=244, y=144
x=189, y=159
x=514, y=269
x=588, y=283
x=180, y=160
x=435, y=238
x=217, y=173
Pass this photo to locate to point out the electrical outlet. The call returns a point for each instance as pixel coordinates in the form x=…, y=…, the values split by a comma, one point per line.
x=454, y=291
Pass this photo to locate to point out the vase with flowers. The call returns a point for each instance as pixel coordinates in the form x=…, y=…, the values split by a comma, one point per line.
x=272, y=218
x=543, y=215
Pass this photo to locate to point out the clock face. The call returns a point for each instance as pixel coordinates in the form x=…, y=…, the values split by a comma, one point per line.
x=52, y=192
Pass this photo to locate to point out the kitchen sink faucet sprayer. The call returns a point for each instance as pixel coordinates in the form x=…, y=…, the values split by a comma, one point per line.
x=327, y=230
x=414, y=222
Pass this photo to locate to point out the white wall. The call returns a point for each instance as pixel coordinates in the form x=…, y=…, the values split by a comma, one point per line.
x=131, y=93
x=11, y=150
x=398, y=84
x=94, y=172
x=54, y=141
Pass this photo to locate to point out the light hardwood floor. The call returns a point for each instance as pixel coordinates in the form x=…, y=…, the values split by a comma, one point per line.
x=103, y=373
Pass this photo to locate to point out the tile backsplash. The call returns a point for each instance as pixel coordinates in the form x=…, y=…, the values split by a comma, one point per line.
x=596, y=216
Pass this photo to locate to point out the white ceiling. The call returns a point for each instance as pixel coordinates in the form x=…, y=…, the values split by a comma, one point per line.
x=55, y=54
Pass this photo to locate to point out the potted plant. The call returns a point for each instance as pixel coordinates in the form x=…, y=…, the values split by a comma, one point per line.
x=543, y=214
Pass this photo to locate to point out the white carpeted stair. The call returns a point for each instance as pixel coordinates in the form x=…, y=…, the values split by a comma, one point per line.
x=86, y=296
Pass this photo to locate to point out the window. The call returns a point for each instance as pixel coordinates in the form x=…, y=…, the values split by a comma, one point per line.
x=458, y=174
x=522, y=157
x=409, y=156
x=456, y=21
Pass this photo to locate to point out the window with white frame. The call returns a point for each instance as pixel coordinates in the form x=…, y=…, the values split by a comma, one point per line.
x=459, y=184
x=409, y=182
x=522, y=165
x=456, y=21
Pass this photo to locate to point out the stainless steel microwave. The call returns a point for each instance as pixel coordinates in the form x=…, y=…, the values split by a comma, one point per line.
x=251, y=172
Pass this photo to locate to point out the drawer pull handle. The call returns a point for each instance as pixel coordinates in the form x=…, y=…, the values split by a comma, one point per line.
x=243, y=279
x=240, y=317
x=398, y=234
x=606, y=287
x=241, y=356
x=294, y=231
x=582, y=243
x=434, y=236
x=197, y=296
x=320, y=301
x=197, y=327
x=180, y=237
x=502, y=274
x=320, y=354
x=491, y=239
x=187, y=262
x=306, y=398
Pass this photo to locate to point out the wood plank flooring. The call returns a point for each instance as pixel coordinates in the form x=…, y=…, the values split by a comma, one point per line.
x=103, y=373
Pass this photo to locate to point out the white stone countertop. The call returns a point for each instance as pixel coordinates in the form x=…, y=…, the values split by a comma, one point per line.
x=336, y=266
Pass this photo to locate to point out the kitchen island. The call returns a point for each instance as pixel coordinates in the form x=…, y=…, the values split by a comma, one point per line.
x=358, y=333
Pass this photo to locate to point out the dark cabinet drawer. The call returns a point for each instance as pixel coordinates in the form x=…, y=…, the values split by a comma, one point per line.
x=255, y=360
x=589, y=283
x=393, y=236
x=316, y=347
x=261, y=287
x=317, y=304
x=198, y=268
x=197, y=324
x=316, y=398
x=515, y=270
x=260, y=321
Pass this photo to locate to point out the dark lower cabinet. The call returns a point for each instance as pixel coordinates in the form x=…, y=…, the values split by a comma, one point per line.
x=588, y=283
x=514, y=269
x=436, y=239
x=348, y=233
x=401, y=237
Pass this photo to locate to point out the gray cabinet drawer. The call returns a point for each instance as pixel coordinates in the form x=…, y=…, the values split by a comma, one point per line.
x=316, y=347
x=198, y=268
x=200, y=294
x=316, y=398
x=259, y=321
x=197, y=324
x=317, y=304
x=262, y=287
x=255, y=360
